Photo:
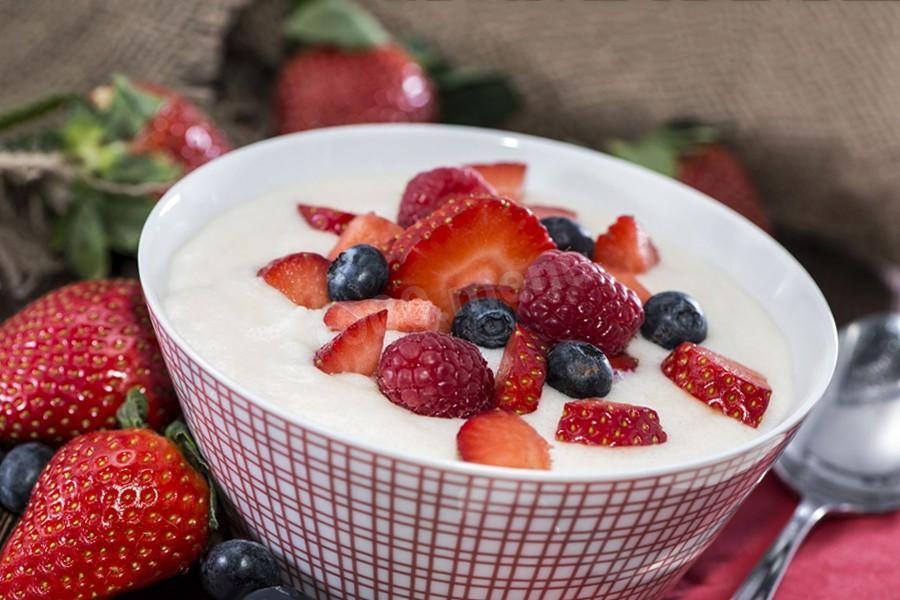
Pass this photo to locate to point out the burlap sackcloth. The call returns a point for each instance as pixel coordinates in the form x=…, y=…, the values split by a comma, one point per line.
x=813, y=87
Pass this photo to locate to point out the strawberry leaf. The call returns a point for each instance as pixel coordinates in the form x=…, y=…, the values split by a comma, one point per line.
x=659, y=150
x=129, y=109
x=33, y=110
x=141, y=168
x=132, y=414
x=181, y=436
x=84, y=241
x=124, y=218
x=339, y=23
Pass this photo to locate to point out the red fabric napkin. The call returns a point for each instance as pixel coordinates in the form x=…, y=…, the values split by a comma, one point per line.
x=845, y=557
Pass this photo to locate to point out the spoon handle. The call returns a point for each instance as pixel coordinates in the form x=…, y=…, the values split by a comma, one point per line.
x=763, y=580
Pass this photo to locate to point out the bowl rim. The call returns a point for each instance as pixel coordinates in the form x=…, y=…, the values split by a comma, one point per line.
x=460, y=467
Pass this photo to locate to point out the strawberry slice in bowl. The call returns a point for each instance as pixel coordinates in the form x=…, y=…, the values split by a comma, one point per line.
x=356, y=349
x=522, y=371
x=428, y=191
x=483, y=240
x=366, y=229
x=507, y=178
x=596, y=422
x=626, y=247
x=727, y=386
x=302, y=277
x=502, y=439
x=402, y=315
x=324, y=218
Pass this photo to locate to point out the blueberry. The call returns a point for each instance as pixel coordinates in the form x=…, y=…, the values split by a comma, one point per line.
x=671, y=318
x=280, y=592
x=487, y=322
x=569, y=235
x=359, y=272
x=19, y=472
x=579, y=370
x=233, y=569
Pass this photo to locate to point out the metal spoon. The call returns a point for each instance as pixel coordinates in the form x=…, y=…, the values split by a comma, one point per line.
x=846, y=456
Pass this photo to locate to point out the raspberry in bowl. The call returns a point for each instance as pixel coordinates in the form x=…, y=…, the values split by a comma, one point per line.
x=504, y=405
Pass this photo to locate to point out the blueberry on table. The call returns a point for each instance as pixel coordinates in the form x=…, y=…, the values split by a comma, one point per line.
x=359, y=272
x=234, y=568
x=19, y=472
x=671, y=318
x=569, y=235
x=486, y=322
x=279, y=592
x=579, y=370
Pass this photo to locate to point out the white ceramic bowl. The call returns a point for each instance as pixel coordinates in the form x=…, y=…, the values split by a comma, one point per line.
x=349, y=520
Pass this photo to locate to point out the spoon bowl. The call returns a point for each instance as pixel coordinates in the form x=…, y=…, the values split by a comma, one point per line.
x=846, y=456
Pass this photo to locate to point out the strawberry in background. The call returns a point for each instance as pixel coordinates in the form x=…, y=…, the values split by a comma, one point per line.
x=695, y=155
x=348, y=69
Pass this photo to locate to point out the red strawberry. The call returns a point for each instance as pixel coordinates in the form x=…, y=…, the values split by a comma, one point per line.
x=602, y=423
x=112, y=511
x=356, y=349
x=325, y=219
x=505, y=293
x=366, y=229
x=523, y=368
x=402, y=315
x=502, y=439
x=322, y=87
x=436, y=375
x=694, y=155
x=68, y=359
x=625, y=247
x=302, y=277
x=427, y=191
x=180, y=130
x=542, y=211
x=507, y=178
x=568, y=297
x=476, y=240
x=727, y=386
x=630, y=281
x=623, y=362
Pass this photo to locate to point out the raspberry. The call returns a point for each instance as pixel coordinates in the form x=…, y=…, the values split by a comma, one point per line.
x=427, y=191
x=568, y=297
x=436, y=375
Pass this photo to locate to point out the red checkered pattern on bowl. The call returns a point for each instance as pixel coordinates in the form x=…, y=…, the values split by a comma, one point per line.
x=349, y=523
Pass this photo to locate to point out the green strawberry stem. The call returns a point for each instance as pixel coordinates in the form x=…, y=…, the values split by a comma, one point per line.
x=179, y=433
x=33, y=110
x=659, y=150
x=133, y=412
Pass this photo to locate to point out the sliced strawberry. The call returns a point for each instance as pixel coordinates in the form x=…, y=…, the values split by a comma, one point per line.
x=523, y=368
x=623, y=362
x=403, y=315
x=302, y=277
x=483, y=240
x=727, y=386
x=625, y=247
x=356, y=349
x=602, y=423
x=630, y=281
x=507, y=178
x=542, y=211
x=502, y=439
x=325, y=219
x=366, y=229
x=505, y=293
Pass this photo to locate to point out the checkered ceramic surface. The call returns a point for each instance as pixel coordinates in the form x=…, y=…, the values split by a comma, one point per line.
x=350, y=523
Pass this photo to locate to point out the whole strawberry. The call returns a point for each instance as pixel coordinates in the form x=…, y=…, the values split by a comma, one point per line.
x=180, y=130
x=112, y=511
x=68, y=359
x=568, y=297
x=694, y=155
x=322, y=87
